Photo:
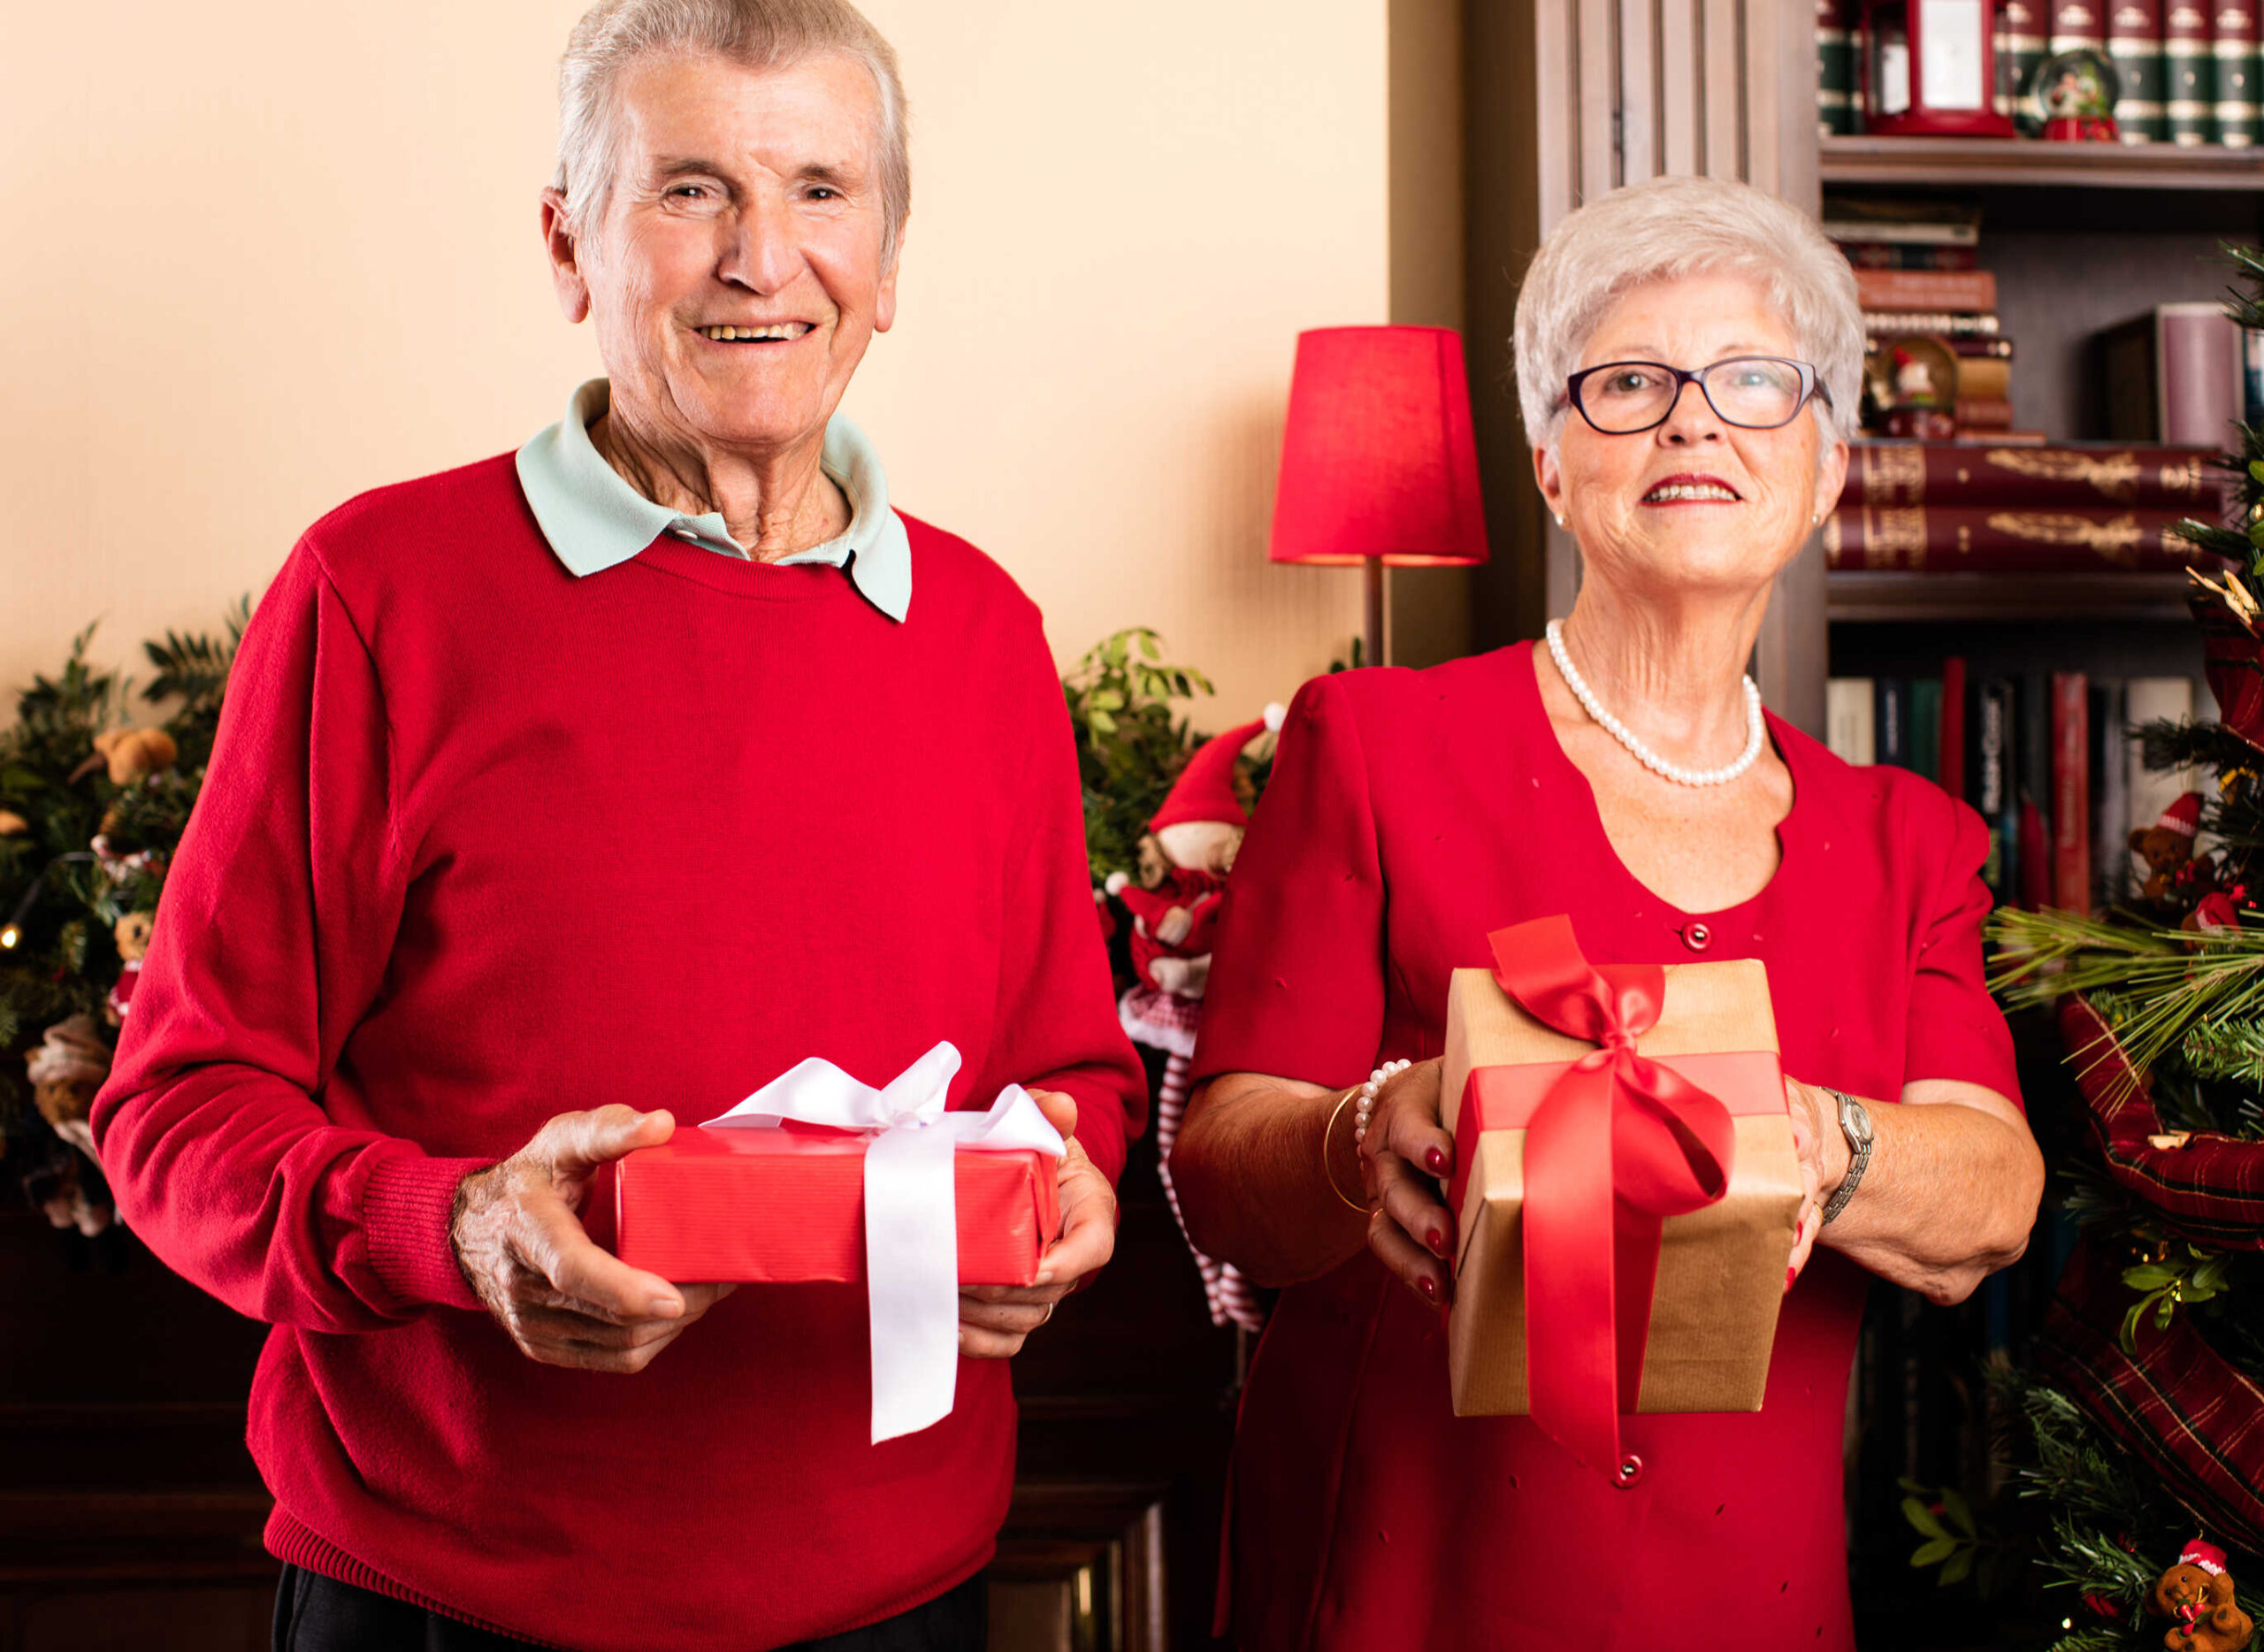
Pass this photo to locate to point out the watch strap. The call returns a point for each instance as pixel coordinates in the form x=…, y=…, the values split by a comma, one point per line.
x=1859, y=1160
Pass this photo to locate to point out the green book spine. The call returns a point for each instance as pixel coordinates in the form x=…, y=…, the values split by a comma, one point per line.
x=1926, y=727
x=2134, y=41
x=2189, y=74
x=2029, y=45
x=1836, y=115
x=2232, y=48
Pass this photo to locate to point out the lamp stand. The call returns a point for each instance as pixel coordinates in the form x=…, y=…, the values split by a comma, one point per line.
x=1373, y=647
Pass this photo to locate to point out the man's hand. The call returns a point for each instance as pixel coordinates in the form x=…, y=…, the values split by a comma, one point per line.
x=563, y=1300
x=993, y=1320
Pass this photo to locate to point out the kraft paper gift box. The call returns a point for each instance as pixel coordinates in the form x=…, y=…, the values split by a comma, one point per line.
x=1650, y=1279
x=787, y=1206
x=819, y=1177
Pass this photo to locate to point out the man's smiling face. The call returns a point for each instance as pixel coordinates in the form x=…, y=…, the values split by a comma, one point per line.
x=736, y=274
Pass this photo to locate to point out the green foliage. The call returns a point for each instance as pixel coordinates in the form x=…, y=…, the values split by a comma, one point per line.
x=60, y=900
x=1954, y=1539
x=2196, y=1277
x=1130, y=745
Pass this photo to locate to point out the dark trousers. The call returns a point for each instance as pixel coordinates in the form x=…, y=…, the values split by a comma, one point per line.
x=317, y=1614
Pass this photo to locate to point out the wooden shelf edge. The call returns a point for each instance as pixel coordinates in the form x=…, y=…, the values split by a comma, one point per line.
x=1856, y=596
x=1939, y=161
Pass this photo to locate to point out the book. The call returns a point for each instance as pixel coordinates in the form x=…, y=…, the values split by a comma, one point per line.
x=1878, y=217
x=1887, y=255
x=1926, y=727
x=1979, y=412
x=2002, y=438
x=2007, y=539
x=2026, y=34
x=2180, y=479
x=2232, y=52
x=1985, y=376
x=2151, y=791
x=2110, y=794
x=1949, y=766
x=1836, y=114
x=1848, y=719
x=2176, y=375
x=1878, y=290
x=2036, y=753
x=2076, y=24
x=2188, y=72
x=1992, y=790
x=1891, y=721
x=2071, y=803
x=2252, y=377
x=2134, y=44
x=1887, y=323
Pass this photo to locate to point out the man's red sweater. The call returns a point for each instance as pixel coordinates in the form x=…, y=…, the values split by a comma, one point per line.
x=483, y=843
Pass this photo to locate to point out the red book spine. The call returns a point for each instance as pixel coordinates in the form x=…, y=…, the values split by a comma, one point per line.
x=1926, y=289
x=2007, y=538
x=1950, y=764
x=2178, y=480
x=2078, y=23
x=2070, y=791
x=1984, y=412
x=1887, y=255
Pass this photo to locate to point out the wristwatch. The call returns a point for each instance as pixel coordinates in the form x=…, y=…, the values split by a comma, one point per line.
x=1855, y=1122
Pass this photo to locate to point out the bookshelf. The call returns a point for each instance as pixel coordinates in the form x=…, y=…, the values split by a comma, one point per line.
x=2080, y=237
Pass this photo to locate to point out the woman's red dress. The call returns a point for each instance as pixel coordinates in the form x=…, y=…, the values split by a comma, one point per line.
x=1410, y=814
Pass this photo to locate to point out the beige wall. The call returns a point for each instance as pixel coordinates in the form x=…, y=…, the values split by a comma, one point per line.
x=261, y=255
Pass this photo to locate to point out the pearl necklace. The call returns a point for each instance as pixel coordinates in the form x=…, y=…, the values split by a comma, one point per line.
x=1756, y=731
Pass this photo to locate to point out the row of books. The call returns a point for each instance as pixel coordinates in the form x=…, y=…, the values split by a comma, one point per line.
x=2050, y=763
x=2190, y=69
x=1916, y=276
x=1957, y=507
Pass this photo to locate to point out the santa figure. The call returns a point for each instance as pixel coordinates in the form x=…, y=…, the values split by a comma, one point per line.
x=1184, y=859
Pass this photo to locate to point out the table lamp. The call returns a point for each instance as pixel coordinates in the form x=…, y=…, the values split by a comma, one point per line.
x=1379, y=463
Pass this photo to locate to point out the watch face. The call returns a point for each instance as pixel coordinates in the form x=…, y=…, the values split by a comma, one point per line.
x=1855, y=1118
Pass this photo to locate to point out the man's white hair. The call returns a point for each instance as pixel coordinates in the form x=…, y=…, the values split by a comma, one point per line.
x=760, y=33
x=1666, y=228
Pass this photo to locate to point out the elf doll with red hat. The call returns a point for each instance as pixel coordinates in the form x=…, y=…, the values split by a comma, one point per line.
x=1184, y=860
x=2197, y=1595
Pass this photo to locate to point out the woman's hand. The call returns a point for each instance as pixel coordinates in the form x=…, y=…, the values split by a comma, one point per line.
x=1406, y=1152
x=1822, y=1149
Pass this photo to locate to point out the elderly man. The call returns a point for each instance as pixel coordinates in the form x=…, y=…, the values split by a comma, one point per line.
x=578, y=789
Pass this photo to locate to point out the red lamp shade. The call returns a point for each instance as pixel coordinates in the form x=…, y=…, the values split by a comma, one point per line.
x=1379, y=459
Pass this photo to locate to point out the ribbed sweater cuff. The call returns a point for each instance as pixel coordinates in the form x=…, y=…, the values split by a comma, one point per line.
x=406, y=1205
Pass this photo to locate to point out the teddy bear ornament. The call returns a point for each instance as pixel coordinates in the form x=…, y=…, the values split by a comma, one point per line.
x=2196, y=1594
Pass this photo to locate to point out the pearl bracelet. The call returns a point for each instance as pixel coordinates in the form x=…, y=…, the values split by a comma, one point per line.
x=1364, y=1109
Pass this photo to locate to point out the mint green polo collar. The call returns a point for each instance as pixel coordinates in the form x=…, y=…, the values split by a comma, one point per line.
x=594, y=520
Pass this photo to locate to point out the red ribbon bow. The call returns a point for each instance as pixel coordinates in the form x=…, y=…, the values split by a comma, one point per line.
x=1618, y=1145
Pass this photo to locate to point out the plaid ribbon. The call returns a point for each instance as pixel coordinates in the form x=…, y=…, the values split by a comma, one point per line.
x=2177, y=1404
x=2211, y=1190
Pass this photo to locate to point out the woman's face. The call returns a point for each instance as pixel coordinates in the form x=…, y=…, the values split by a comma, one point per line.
x=1696, y=504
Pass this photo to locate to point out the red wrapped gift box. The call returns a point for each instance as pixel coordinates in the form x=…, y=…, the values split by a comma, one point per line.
x=788, y=1205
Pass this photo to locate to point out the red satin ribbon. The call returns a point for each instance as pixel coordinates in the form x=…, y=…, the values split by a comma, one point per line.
x=1618, y=1145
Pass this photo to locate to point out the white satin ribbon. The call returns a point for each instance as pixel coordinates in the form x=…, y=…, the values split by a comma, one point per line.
x=911, y=1209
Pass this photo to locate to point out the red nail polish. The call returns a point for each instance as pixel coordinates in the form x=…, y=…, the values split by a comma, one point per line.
x=1437, y=1161
x=1430, y=1286
x=1437, y=1241
x=1790, y=1274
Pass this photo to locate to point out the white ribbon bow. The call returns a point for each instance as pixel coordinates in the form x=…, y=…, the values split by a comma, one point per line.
x=911, y=1209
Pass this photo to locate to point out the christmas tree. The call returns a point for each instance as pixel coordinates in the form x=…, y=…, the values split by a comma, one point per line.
x=2138, y=1424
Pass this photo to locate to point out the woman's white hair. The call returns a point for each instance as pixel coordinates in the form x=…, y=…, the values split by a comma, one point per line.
x=760, y=33
x=1666, y=228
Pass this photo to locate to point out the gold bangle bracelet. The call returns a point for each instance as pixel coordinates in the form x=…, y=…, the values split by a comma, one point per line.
x=1328, y=1131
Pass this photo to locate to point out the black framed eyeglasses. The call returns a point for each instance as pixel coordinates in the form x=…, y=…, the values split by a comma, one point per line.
x=1750, y=391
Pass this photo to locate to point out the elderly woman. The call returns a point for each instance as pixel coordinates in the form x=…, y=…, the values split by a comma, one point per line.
x=1688, y=354
x=610, y=777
